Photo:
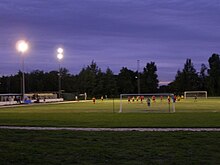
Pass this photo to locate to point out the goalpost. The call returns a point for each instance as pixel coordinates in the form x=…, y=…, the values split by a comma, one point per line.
x=193, y=94
x=147, y=102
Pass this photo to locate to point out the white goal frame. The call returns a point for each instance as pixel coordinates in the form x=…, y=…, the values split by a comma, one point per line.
x=150, y=94
x=195, y=92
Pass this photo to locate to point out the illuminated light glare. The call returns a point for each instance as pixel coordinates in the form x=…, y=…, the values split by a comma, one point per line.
x=59, y=56
x=22, y=46
x=60, y=50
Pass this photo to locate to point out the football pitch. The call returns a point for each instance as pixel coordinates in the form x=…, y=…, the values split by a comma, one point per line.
x=202, y=113
x=66, y=147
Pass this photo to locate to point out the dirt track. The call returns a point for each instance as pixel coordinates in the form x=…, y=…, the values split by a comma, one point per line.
x=114, y=129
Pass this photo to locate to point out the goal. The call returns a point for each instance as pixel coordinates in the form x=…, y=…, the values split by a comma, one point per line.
x=150, y=102
x=198, y=94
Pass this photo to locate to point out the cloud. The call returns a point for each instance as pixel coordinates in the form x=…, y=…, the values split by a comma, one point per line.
x=114, y=33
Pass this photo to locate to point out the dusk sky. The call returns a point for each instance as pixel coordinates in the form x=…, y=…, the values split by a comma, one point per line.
x=113, y=33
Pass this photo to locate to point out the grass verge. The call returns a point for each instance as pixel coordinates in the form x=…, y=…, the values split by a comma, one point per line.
x=65, y=147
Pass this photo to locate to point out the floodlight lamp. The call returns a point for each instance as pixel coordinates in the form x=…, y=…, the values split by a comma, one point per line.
x=59, y=56
x=22, y=46
x=60, y=50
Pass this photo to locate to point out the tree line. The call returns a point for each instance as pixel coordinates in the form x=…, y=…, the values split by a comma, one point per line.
x=92, y=80
x=207, y=79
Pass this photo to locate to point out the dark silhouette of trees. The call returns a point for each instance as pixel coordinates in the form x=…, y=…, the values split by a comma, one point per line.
x=110, y=86
x=203, y=78
x=126, y=81
x=96, y=83
x=51, y=81
x=214, y=75
x=35, y=81
x=11, y=84
x=187, y=79
x=88, y=79
x=149, y=79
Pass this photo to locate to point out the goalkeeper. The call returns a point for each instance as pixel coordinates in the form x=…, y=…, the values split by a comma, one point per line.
x=148, y=102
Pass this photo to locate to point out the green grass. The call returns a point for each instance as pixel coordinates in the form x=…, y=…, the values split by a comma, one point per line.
x=203, y=113
x=63, y=147
x=66, y=147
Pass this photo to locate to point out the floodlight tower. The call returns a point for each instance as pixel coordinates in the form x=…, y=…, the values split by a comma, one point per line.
x=60, y=57
x=22, y=47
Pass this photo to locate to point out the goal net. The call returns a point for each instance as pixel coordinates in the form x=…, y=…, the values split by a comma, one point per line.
x=197, y=94
x=154, y=102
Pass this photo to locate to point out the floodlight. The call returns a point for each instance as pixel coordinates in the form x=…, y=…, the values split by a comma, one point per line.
x=22, y=46
x=60, y=50
x=59, y=56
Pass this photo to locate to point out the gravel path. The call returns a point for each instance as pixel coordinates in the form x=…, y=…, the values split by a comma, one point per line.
x=114, y=129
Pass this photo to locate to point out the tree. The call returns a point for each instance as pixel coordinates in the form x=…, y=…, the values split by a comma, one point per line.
x=68, y=81
x=110, y=87
x=88, y=79
x=187, y=79
x=214, y=75
x=99, y=87
x=11, y=84
x=51, y=81
x=126, y=81
x=35, y=81
x=203, y=77
x=149, y=81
